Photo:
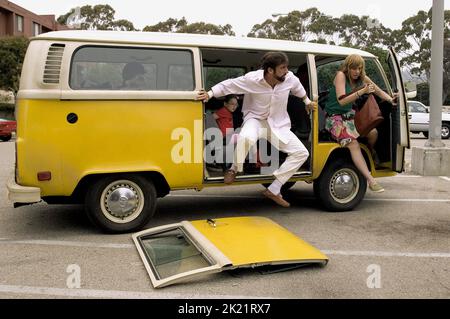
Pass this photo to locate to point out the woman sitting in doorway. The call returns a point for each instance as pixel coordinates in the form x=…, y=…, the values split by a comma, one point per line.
x=340, y=115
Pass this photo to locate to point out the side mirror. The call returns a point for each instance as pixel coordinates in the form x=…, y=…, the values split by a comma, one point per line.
x=411, y=90
x=411, y=94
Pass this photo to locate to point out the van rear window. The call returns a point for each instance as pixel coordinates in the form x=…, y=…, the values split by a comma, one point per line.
x=131, y=69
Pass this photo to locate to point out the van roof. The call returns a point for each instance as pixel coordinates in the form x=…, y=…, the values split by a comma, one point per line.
x=200, y=40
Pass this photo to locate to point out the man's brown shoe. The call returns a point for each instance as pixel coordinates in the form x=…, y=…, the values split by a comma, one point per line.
x=229, y=177
x=276, y=198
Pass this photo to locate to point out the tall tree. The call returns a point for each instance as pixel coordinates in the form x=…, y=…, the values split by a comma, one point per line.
x=413, y=43
x=182, y=26
x=312, y=25
x=12, y=53
x=295, y=26
x=362, y=32
x=98, y=17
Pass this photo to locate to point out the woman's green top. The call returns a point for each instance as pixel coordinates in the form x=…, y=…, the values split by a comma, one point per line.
x=332, y=105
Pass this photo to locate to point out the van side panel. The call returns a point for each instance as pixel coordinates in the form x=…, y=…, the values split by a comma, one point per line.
x=109, y=137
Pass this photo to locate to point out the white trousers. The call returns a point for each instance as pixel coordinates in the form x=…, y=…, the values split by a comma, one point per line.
x=252, y=131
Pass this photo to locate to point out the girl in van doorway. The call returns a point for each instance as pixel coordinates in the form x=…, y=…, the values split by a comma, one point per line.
x=224, y=119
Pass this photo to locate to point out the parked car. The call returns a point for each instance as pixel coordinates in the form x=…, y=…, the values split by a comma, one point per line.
x=7, y=127
x=419, y=119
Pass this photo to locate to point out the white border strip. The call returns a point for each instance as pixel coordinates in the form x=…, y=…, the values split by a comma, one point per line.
x=445, y=178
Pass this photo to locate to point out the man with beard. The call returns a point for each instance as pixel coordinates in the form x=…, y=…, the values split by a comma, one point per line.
x=266, y=92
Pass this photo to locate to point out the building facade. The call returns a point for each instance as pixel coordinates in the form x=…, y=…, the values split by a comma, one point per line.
x=18, y=21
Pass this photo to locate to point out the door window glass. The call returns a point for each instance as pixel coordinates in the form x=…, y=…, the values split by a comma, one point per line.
x=172, y=252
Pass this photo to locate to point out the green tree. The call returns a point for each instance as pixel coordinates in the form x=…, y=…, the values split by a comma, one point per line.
x=182, y=26
x=313, y=26
x=362, y=32
x=123, y=25
x=413, y=43
x=295, y=26
x=98, y=17
x=12, y=53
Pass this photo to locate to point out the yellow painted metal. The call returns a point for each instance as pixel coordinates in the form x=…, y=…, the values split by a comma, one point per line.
x=109, y=137
x=257, y=240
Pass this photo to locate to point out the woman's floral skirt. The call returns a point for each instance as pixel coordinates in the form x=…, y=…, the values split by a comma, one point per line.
x=342, y=127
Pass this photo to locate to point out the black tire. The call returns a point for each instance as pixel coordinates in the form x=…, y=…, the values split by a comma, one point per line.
x=352, y=186
x=287, y=186
x=6, y=138
x=425, y=133
x=445, y=131
x=103, y=205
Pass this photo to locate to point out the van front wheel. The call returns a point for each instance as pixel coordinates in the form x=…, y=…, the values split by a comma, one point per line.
x=119, y=204
x=340, y=187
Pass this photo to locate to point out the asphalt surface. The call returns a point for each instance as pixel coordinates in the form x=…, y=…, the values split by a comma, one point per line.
x=394, y=245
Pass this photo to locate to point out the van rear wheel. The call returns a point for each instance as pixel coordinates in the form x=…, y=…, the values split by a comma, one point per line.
x=121, y=203
x=340, y=187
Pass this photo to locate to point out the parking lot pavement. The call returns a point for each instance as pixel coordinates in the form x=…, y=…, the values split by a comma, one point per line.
x=393, y=245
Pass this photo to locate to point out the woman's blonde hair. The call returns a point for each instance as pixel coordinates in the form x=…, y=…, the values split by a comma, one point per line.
x=354, y=61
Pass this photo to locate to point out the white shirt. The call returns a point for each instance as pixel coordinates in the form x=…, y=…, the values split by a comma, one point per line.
x=263, y=102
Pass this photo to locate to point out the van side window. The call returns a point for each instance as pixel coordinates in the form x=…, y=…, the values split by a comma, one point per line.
x=216, y=74
x=373, y=72
x=326, y=74
x=115, y=68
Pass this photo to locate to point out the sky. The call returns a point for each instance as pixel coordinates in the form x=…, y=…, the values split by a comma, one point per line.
x=240, y=14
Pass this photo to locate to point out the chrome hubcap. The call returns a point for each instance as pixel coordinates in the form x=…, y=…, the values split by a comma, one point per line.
x=122, y=201
x=344, y=185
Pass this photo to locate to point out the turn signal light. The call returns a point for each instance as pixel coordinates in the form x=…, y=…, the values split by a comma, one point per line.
x=44, y=176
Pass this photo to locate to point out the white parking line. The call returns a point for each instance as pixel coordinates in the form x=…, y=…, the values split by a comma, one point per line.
x=416, y=200
x=385, y=254
x=445, y=178
x=66, y=243
x=407, y=176
x=425, y=200
x=114, y=294
x=131, y=246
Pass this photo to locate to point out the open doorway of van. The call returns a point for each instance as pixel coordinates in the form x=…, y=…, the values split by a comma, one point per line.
x=327, y=67
x=263, y=159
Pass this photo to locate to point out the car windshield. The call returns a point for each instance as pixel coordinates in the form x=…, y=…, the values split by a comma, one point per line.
x=416, y=107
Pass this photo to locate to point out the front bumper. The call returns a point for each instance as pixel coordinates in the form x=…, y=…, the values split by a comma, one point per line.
x=22, y=194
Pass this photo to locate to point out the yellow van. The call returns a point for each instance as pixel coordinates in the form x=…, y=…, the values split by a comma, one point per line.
x=110, y=119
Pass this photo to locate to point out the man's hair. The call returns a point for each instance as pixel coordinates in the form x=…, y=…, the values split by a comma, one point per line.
x=273, y=59
x=132, y=69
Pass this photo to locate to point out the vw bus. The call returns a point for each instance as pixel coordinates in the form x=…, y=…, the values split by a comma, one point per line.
x=87, y=134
